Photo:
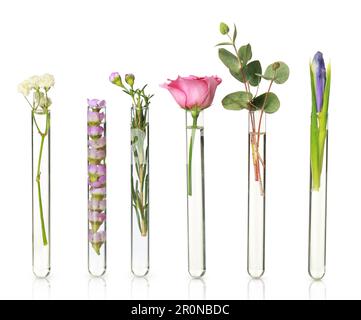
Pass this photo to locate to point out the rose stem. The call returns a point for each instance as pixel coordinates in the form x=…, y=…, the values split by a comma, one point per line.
x=191, y=144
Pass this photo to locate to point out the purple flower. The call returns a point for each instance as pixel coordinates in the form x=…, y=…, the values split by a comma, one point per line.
x=97, y=237
x=101, y=169
x=96, y=217
x=98, y=183
x=96, y=174
x=97, y=205
x=95, y=131
x=98, y=143
x=96, y=154
x=98, y=170
x=96, y=103
x=92, y=169
x=95, y=117
x=116, y=79
x=319, y=71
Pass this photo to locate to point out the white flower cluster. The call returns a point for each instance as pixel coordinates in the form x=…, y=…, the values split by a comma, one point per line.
x=45, y=81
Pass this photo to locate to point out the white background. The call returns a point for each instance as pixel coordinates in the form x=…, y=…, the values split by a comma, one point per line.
x=81, y=43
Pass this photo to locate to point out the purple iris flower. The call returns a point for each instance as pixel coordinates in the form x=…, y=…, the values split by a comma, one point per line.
x=319, y=71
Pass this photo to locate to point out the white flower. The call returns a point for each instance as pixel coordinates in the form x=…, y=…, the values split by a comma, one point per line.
x=24, y=88
x=35, y=82
x=47, y=81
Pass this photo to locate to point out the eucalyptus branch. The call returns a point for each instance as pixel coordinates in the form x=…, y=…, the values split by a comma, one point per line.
x=250, y=73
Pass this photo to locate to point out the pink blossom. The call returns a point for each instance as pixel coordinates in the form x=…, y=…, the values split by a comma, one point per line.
x=96, y=154
x=96, y=103
x=97, y=169
x=193, y=92
x=97, y=237
x=96, y=217
x=95, y=117
x=98, y=143
x=95, y=131
x=98, y=183
x=97, y=205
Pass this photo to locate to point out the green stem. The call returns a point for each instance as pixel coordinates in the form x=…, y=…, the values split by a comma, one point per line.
x=139, y=194
x=322, y=139
x=43, y=231
x=190, y=154
x=314, y=141
x=315, y=159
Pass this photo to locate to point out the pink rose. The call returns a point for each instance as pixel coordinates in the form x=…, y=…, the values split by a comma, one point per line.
x=193, y=92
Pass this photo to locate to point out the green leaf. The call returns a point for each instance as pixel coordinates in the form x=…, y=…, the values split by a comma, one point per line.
x=245, y=54
x=268, y=101
x=264, y=77
x=252, y=71
x=313, y=91
x=229, y=60
x=224, y=44
x=238, y=75
x=223, y=28
x=278, y=71
x=237, y=100
x=235, y=34
x=323, y=119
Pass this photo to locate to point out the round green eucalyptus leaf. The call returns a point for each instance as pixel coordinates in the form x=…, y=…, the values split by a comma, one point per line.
x=238, y=75
x=229, y=60
x=279, y=71
x=271, y=105
x=245, y=54
x=252, y=71
x=237, y=100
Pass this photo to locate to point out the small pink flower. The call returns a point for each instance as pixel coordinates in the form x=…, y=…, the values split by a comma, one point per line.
x=96, y=103
x=116, y=79
x=98, y=143
x=97, y=205
x=96, y=217
x=97, y=169
x=95, y=117
x=97, y=237
x=98, y=183
x=101, y=169
x=193, y=92
x=95, y=131
x=97, y=178
x=96, y=154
